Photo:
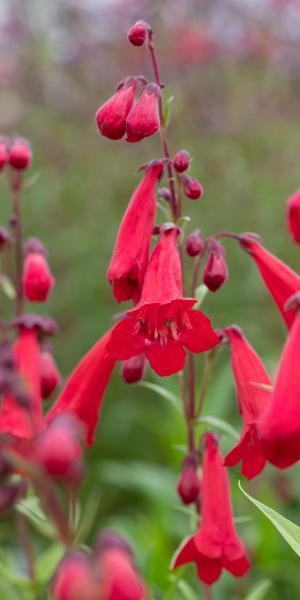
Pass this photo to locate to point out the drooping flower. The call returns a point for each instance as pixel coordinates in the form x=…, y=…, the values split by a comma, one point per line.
x=118, y=577
x=194, y=243
x=281, y=281
x=216, y=546
x=143, y=119
x=279, y=427
x=111, y=116
x=253, y=393
x=37, y=279
x=84, y=390
x=188, y=486
x=128, y=264
x=163, y=321
x=215, y=272
x=293, y=210
x=74, y=578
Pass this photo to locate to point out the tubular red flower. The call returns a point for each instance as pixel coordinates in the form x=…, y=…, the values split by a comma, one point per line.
x=279, y=427
x=281, y=281
x=216, y=546
x=293, y=210
x=163, y=321
x=24, y=421
x=128, y=264
x=111, y=116
x=37, y=278
x=85, y=388
x=143, y=119
x=74, y=578
x=249, y=375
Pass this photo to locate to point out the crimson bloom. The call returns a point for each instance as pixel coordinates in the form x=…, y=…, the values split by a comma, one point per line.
x=293, y=209
x=84, y=391
x=74, y=578
x=281, y=281
x=163, y=321
x=250, y=376
x=111, y=116
x=37, y=278
x=143, y=119
x=216, y=546
x=279, y=427
x=128, y=264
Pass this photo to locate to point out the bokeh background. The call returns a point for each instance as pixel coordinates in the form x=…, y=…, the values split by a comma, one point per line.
x=233, y=67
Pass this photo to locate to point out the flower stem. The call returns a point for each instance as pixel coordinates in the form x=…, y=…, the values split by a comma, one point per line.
x=26, y=545
x=16, y=226
x=207, y=371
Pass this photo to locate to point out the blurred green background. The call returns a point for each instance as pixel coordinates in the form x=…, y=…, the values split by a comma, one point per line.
x=234, y=71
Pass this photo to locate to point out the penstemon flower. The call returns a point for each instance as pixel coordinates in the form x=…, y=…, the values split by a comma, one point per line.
x=143, y=119
x=111, y=116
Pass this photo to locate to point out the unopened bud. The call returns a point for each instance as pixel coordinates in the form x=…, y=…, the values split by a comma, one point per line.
x=181, y=161
x=3, y=152
x=137, y=34
x=37, y=278
x=20, y=154
x=50, y=376
x=164, y=193
x=293, y=207
x=74, y=578
x=188, y=486
x=4, y=238
x=133, y=369
x=192, y=187
x=194, y=243
x=215, y=272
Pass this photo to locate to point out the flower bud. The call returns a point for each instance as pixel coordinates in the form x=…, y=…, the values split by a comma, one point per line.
x=9, y=495
x=20, y=155
x=137, y=34
x=194, y=243
x=74, y=578
x=50, y=376
x=181, y=161
x=4, y=238
x=192, y=187
x=133, y=369
x=37, y=278
x=3, y=153
x=58, y=451
x=188, y=486
x=111, y=116
x=215, y=272
x=143, y=119
x=293, y=206
x=164, y=193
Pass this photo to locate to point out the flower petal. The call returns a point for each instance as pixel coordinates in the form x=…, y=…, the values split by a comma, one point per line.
x=166, y=359
x=125, y=341
x=238, y=567
x=200, y=336
x=209, y=569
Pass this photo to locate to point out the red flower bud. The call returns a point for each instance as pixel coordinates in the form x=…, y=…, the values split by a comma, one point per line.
x=293, y=206
x=3, y=153
x=137, y=34
x=37, y=278
x=57, y=449
x=20, y=155
x=215, y=272
x=194, y=243
x=133, y=369
x=143, y=119
x=9, y=495
x=188, y=486
x=111, y=116
x=4, y=238
x=50, y=376
x=181, y=161
x=192, y=187
x=74, y=578
x=164, y=193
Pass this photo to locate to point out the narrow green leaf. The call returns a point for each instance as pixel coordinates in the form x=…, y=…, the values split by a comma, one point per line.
x=164, y=208
x=220, y=424
x=48, y=562
x=183, y=221
x=31, y=508
x=186, y=590
x=258, y=592
x=289, y=531
x=161, y=391
x=167, y=110
x=200, y=294
x=7, y=287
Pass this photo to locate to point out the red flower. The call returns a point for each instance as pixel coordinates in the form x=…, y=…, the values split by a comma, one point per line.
x=279, y=427
x=293, y=206
x=18, y=418
x=85, y=388
x=37, y=278
x=50, y=376
x=163, y=321
x=128, y=264
x=143, y=119
x=281, y=281
x=215, y=272
x=216, y=546
x=249, y=374
x=111, y=116
x=74, y=578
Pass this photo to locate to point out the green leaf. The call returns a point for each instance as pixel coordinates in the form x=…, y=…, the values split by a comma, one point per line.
x=220, y=424
x=183, y=221
x=186, y=590
x=164, y=209
x=200, y=294
x=289, y=531
x=31, y=508
x=258, y=592
x=161, y=391
x=7, y=287
x=167, y=110
x=48, y=562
